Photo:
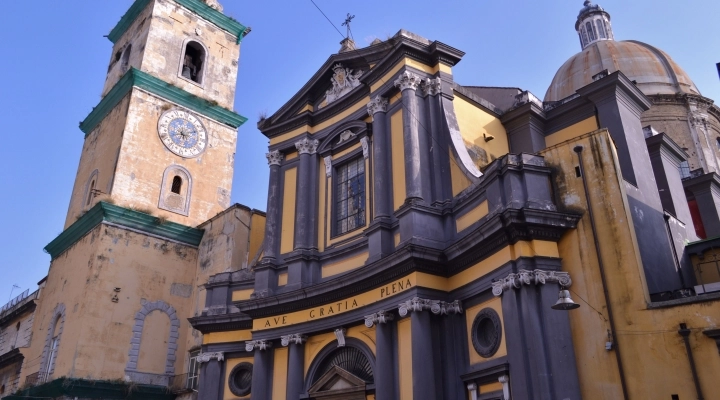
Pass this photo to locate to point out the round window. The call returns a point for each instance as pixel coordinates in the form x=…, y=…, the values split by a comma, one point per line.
x=486, y=332
x=241, y=379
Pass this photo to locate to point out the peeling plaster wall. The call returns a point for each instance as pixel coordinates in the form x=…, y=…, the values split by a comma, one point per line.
x=98, y=331
x=13, y=338
x=10, y=378
x=100, y=152
x=171, y=26
x=144, y=158
x=653, y=353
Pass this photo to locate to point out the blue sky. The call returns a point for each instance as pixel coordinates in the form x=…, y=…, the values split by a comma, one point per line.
x=54, y=58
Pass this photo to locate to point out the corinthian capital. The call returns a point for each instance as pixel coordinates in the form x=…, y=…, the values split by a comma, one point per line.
x=275, y=157
x=295, y=338
x=307, y=146
x=377, y=104
x=408, y=81
x=261, y=345
x=432, y=86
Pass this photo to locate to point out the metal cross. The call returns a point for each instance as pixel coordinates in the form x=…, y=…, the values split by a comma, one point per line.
x=347, y=23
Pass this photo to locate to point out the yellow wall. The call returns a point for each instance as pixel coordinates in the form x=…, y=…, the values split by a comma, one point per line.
x=279, y=383
x=474, y=122
x=156, y=332
x=405, y=359
x=464, y=221
x=653, y=353
x=572, y=132
x=287, y=235
x=470, y=315
x=227, y=337
x=229, y=365
x=458, y=179
x=398, y=158
x=345, y=265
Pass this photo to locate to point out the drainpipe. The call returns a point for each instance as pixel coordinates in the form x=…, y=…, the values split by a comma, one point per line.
x=685, y=333
x=578, y=149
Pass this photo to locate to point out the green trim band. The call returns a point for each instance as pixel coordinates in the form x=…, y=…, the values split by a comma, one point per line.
x=156, y=86
x=206, y=12
x=106, y=212
x=93, y=389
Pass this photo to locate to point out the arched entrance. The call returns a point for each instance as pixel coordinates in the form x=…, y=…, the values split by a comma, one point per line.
x=342, y=373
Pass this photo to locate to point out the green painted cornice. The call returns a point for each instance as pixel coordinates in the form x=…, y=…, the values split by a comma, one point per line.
x=156, y=86
x=206, y=12
x=136, y=220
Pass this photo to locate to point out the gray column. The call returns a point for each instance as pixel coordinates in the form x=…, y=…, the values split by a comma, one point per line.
x=211, y=379
x=417, y=165
x=274, y=202
x=539, y=340
x=382, y=167
x=262, y=369
x=305, y=218
x=296, y=364
x=385, y=383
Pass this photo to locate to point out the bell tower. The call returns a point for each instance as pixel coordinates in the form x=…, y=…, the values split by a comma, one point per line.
x=162, y=139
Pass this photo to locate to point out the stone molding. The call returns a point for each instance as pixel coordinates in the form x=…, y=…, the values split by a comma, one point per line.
x=275, y=157
x=206, y=357
x=432, y=86
x=380, y=317
x=535, y=277
x=328, y=166
x=307, y=146
x=295, y=338
x=145, y=310
x=437, y=307
x=377, y=104
x=365, y=143
x=261, y=345
x=58, y=314
x=408, y=81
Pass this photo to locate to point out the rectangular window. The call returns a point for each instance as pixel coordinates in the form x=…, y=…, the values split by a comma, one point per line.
x=350, y=197
x=193, y=370
x=684, y=170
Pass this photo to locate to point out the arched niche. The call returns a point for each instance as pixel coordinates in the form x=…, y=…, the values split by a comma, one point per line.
x=52, y=343
x=176, y=190
x=138, y=335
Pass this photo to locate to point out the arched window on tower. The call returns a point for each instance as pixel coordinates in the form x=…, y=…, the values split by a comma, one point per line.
x=590, y=31
x=717, y=143
x=176, y=185
x=584, y=37
x=126, y=57
x=601, y=29
x=193, y=62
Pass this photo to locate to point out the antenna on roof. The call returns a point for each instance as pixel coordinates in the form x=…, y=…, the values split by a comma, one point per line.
x=347, y=22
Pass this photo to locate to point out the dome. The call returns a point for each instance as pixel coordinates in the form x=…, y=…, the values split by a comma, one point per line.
x=653, y=70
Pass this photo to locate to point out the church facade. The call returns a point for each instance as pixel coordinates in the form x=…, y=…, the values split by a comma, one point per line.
x=422, y=239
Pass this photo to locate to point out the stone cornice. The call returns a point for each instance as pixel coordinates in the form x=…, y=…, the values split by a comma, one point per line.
x=665, y=143
x=527, y=278
x=198, y=7
x=160, y=88
x=124, y=218
x=221, y=323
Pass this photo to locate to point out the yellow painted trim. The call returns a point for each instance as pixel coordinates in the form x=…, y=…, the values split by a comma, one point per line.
x=398, y=158
x=509, y=253
x=291, y=156
x=283, y=279
x=308, y=107
x=346, y=265
x=405, y=356
x=572, y=132
x=458, y=180
x=491, y=387
x=472, y=216
x=227, y=337
x=394, y=99
x=346, y=151
x=313, y=346
x=397, y=239
x=287, y=235
x=244, y=294
x=280, y=370
x=339, y=307
x=329, y=122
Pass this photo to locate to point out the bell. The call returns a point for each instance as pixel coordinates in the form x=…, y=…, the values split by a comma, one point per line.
x=186, y=72
x=565, y=302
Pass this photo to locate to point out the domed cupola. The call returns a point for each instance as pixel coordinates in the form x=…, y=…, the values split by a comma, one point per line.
x=593, y=24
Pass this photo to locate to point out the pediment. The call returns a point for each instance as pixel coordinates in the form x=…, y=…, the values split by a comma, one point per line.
x=337, y=381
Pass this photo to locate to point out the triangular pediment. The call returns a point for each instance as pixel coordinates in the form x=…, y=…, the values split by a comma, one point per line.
x=337, y=381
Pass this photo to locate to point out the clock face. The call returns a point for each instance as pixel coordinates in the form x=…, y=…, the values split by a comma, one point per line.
x=182, y=133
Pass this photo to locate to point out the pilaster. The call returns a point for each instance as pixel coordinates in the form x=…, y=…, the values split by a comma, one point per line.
x=211, y=376
x=385, y=382
x=296, y=364
x=262, y=368
x=265, y=274
x=380, y=242
x=440, y=178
